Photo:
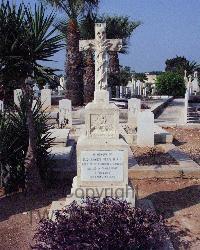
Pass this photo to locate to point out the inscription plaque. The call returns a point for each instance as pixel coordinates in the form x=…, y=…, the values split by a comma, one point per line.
x=102, y=165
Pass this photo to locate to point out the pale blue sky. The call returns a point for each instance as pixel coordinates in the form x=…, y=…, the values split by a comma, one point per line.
x=169, y=28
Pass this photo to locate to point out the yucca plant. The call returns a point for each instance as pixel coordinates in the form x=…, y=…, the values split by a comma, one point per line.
x=27, y=38
x=14, y=142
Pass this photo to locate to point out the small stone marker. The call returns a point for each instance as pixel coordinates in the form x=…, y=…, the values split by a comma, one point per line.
x=1, y=106
x=65, y=112
x=145, y=129
x=17, y=96
x=195, y=84
x=36, y=90
x=134, y=107
x=46, y=99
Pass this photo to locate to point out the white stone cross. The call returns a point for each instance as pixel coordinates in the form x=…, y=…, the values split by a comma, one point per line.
x=101, y=46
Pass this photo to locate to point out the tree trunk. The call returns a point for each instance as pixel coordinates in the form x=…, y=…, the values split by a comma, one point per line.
x=114, y=62
x=74, y=71
x=89, y=77
x=33, y=181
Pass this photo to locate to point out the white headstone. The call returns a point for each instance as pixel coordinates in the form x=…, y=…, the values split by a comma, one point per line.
x=195, y=84
x=65, y=112
x=121, y=91
x=134, y=107
x=46, y=99
x=117, y=92
x=1, y=106
x=36, y=90
x=17, y=96
x=145, y=129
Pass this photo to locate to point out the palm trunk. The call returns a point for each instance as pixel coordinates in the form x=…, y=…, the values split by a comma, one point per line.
x=114, y=62
x=89, y=77
x=74, y=72
x=32, y=176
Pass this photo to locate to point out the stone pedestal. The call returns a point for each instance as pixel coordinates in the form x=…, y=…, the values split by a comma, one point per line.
x=102, y=158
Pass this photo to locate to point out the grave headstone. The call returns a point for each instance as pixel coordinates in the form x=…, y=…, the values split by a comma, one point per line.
x=121, y=91
x=36, y=90
x=117, y=92
x=134, y=107
x=102, y=157
x=17, y=96
x=65, y=113
x=195, y=84
x=186, y=107
x=46, y=99
x=190, y=90
x=145, y=129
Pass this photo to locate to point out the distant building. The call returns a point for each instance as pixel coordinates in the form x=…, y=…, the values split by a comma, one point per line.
x=151, y=78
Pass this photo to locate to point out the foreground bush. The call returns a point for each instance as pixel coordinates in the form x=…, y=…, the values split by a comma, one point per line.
x=110, y=224
x=170, y=83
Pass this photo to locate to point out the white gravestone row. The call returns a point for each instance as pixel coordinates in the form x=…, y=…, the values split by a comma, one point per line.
x=65, y=113
x=145, y=129
x=134, y=107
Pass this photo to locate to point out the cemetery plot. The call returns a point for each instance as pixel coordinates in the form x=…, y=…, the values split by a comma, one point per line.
x=152, y=156
x=187, y=140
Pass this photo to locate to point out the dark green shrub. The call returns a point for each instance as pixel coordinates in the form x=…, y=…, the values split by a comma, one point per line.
x=109, y=224
x=14, y=139
x=170, y=83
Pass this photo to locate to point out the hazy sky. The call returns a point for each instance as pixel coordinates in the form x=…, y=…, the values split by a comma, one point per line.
x=169, y=28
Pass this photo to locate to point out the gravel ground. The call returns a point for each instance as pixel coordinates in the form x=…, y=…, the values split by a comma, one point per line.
x=188, y=140
x=152, y=156
x=19, y=216
x=178, y=201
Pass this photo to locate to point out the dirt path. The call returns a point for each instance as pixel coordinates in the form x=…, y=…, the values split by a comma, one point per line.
x=178, y=201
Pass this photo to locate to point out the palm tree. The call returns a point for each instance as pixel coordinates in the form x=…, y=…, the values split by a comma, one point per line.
x=118, y=27
x=87, y=32
x=26, y=39
x=86, y=28
x=74, y=9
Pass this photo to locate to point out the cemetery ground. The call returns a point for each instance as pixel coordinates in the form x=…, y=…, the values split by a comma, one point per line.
x=177, y=200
